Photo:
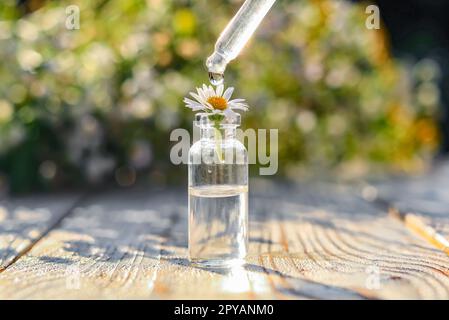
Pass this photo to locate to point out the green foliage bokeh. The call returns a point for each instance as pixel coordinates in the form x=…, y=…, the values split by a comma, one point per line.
x=98, y=103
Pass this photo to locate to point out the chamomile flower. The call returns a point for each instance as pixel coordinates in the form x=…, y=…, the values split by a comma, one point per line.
x=208, y=99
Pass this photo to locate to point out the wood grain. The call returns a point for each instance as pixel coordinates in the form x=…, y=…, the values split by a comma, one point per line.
x=306, y=242
x=120, y=245
x=422, y=203
x=24, y=220
x=333, y=237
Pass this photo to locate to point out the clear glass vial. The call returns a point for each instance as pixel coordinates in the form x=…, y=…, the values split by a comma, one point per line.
x=218, y=194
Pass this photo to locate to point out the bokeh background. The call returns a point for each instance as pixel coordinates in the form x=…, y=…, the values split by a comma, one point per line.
x=95, y=106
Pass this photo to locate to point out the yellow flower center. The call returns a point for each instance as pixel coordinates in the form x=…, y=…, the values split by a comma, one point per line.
x=219, y=103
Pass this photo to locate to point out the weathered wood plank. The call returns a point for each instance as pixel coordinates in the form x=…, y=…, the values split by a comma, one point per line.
x=335, y=238
x=24, y=220
x=269, y=207
x=121, y=245
x=305, y=242
x=422, y=203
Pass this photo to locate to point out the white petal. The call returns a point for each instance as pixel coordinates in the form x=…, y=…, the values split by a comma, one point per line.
x=197, y=97
x=228, y=93
x=212, y=91
x=192, y=94
x=208, y=92
x=229, y=114
x=220, y=90
x=238, y=104
x=191, y=102
x=238, y=108
x=237, y=100
x=199, y=90
x=205, y=92
x=202, y=94
x=196, y=108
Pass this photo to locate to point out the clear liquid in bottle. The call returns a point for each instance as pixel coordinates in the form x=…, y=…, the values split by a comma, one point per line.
x=218, y=224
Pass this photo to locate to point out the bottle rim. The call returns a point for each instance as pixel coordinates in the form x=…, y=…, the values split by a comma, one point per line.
x=203, y=120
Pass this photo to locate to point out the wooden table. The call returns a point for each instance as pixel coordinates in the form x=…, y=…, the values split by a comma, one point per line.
x=307, y=241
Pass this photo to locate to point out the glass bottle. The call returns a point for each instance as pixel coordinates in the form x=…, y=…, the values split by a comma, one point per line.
x=218, y=194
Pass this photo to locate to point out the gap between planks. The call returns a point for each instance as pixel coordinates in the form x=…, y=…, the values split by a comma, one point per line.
x=416, y=224
x=54, y=224
x=165, y=271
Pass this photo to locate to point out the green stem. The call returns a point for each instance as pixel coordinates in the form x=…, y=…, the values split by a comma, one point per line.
x=217, y=118
x=218, y=141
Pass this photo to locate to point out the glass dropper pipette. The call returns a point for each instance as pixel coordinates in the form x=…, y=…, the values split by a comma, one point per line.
x=235, y=36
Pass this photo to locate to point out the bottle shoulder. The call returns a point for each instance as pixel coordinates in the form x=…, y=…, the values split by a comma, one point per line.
x=203, y=151
x=212, y=144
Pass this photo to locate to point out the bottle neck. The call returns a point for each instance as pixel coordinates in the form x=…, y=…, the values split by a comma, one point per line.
x=213, y=129
x=218, y=133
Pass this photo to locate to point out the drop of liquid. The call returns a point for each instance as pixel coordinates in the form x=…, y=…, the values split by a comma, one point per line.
x=216, y=78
